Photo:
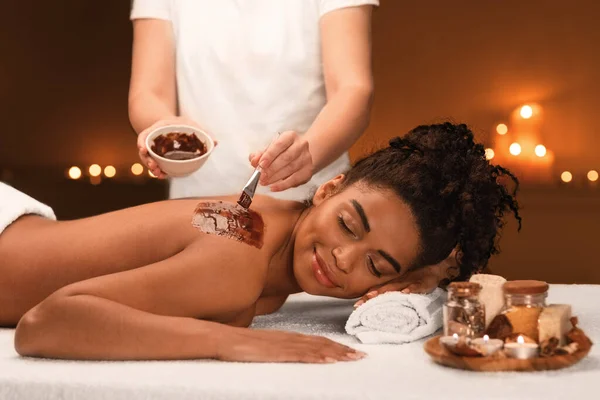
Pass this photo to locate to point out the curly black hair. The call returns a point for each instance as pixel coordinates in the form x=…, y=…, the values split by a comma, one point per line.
x=456, y=195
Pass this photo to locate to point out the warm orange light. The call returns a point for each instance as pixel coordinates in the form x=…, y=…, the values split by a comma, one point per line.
x=540, y=150
x=501, y=129
x=489, y=154
x=95, y=180
x=110, y=171
x=137, y=169
x=515, y=149
x=151, y=174
x=74, y=173
x=592, y=175
x=566, y=176
x=95, y=170
x=526, y=112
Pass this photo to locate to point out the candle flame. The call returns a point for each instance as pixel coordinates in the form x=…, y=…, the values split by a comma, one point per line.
x=520, y=340
x=455, y=336
x=486, y=338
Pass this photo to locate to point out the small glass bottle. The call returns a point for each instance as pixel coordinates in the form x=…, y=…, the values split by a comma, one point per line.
x=464, y=315
x=524, y=301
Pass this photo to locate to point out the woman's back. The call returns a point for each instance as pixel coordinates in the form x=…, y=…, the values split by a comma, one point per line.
x=127, y=239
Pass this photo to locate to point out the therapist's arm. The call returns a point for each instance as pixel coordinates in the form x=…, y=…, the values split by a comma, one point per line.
x=292, y=159
x=152, y=90
x=346, y=48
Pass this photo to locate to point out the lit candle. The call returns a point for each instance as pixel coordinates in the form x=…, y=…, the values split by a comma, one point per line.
x=521, y=350
x=487, y=346
x=449, y=341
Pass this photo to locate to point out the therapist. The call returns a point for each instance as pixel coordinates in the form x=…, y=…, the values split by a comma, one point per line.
x=244, y=71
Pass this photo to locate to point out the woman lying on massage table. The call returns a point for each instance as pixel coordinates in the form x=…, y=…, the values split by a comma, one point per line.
x=143, y=283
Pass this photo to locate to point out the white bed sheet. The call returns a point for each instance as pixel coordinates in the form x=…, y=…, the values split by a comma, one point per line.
x=389, y=372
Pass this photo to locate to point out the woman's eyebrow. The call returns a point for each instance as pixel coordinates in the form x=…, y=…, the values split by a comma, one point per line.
x=391, y=260
x=361, y=212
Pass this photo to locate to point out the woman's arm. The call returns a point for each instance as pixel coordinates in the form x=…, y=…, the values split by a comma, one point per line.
x=346, y=47
x=150, y=313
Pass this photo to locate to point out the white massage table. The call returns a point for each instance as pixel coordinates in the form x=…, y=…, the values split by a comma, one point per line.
x=389, y=372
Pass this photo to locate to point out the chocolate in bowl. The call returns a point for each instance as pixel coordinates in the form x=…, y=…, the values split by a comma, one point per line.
x=178, y=146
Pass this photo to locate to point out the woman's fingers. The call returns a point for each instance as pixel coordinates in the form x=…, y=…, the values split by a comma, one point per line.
x=276, y=346
x=388, y=287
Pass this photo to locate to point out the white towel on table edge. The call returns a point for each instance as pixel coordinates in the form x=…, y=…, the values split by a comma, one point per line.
x=15, y=204
x=396, y=317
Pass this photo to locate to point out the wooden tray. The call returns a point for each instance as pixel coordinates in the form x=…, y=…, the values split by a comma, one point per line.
x=443, y=356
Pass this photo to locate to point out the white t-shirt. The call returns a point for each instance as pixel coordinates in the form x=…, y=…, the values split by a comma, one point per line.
x=246, y=69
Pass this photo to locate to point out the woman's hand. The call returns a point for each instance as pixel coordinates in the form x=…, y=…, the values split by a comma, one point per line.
x=420, y=281
x=248, y=345
x=143, y=150
x=285, y=163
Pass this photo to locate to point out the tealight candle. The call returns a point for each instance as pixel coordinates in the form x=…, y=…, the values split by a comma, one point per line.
x=521, y=350
x=450, y=341
x=487, y=346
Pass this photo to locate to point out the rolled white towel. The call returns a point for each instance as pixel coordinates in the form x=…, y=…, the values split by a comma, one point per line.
x=395, y=317
x=14, y=204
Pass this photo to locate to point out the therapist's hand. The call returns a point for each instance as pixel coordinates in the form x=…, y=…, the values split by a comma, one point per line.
x=143, y=150
x=286, y=163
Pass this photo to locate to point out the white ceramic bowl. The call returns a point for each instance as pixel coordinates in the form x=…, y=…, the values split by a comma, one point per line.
x=178, y=168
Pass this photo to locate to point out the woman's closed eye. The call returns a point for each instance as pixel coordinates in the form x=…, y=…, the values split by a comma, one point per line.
x=372, y=267
x=345, y=227
x=370, y=263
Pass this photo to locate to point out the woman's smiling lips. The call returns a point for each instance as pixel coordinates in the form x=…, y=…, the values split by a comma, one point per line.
x=322, y=273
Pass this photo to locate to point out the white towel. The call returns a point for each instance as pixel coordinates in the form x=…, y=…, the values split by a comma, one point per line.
x=14, y=204
x=395, y=317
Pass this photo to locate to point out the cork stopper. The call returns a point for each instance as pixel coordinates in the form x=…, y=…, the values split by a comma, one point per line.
x=461, y=289
x=525, y=287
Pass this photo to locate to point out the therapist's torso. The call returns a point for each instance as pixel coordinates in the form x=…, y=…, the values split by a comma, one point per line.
x=245, y=71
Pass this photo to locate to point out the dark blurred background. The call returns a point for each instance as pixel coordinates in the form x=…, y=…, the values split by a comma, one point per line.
x=64, y=79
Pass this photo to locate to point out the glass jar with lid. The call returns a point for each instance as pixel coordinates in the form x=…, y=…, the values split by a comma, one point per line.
x=524, y=301
x=464, y=315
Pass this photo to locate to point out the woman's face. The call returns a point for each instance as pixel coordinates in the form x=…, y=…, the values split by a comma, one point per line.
x=353, y=240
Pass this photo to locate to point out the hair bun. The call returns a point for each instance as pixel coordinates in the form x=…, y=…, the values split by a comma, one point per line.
x=397, y=142
x=404, y=145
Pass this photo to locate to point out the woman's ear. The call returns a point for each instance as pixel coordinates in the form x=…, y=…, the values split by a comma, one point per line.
x=328, y=189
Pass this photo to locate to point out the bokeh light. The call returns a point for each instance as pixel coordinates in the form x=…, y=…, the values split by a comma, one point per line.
x=515, y=149
x=566, y=176
x=110, y=171
x=74, y=173
x=137, y=169
x=540, y=150
x=526, y=112
x=95, y=170
x=489, y=154
x=502, y=129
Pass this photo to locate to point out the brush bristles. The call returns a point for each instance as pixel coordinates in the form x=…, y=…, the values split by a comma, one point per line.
x=245, y=200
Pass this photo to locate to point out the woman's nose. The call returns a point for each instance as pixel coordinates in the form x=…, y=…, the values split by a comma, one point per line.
x=345, y=258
